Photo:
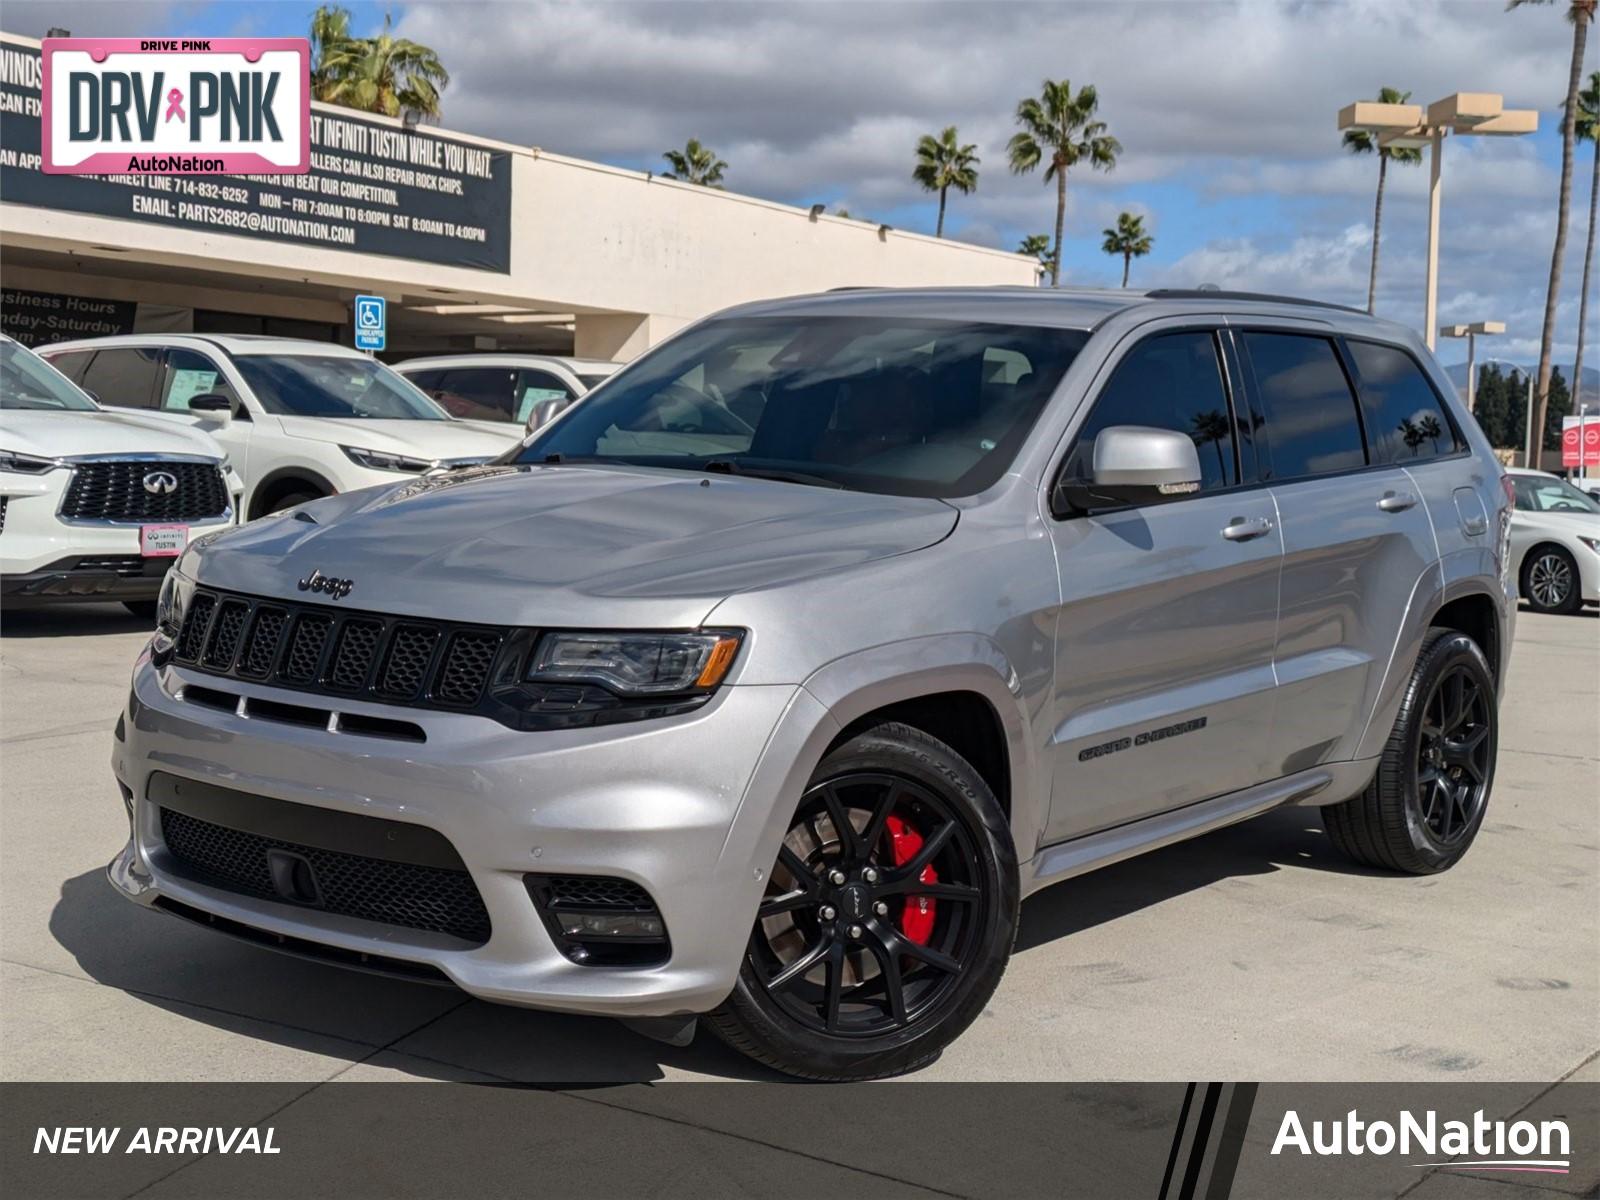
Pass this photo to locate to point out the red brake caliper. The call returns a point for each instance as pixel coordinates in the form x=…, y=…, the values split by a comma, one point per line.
x=916, y=919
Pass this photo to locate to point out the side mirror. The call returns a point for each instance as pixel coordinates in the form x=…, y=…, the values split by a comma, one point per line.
x=546, y=411
x=212, y=405
x=1135, y=465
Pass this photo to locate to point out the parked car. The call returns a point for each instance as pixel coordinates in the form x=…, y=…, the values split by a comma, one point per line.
x=96, y=505
x=1555, y=543
x=524, y=389
x=999, y=587
x=299, y=419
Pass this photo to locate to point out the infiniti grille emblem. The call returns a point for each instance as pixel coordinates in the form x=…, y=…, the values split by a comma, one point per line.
x=160, y=483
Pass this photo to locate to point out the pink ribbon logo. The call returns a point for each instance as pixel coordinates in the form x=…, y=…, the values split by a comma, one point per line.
x=175, y=105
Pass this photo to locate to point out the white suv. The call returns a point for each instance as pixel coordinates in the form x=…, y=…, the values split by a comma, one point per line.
x=96, y=505
x=525, y=389
x=299, y=419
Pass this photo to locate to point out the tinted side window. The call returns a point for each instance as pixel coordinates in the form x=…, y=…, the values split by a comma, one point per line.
x=428, y=381
x=1405, y=419
x=1170, y=381
x=188, y=375
x=1312, y=427
x=71, y=364
x=476, y=393
x=125, y=377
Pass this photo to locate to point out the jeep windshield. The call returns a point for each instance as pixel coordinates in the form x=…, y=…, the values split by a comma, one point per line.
x=894, y=405
x=310, y=385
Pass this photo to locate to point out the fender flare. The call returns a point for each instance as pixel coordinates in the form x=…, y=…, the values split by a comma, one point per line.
x=857, y=684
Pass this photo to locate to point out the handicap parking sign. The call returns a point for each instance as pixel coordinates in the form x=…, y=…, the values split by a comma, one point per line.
x=371, y=319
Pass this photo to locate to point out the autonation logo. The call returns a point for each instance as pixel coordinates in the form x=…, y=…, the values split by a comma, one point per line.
x=1543, y=1148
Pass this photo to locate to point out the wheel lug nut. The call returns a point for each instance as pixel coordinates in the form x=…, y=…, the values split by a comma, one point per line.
x=836, y=876
x=870, y=875
x=855, y=931
x=827, y=912
x=880, y=908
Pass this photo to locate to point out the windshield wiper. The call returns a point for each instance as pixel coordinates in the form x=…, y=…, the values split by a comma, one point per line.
x=726, y=466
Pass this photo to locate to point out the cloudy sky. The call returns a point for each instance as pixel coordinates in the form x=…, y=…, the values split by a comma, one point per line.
x=1225, y=110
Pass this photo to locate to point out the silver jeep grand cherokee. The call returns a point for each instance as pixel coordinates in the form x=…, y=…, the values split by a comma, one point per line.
x=763, y=684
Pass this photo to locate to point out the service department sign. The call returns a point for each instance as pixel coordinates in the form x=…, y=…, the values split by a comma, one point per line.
x=169, y=106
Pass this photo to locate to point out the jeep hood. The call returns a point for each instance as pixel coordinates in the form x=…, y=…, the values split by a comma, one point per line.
x=574, y=545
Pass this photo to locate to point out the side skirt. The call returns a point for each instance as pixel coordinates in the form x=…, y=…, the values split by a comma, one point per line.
x=1328, y=784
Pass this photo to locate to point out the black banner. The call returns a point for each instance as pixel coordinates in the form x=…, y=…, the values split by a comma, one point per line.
x=1157, y=1141
x=372, y=188
x=39, y=318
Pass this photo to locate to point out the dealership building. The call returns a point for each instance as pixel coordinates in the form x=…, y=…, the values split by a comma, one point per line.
x=476, y=244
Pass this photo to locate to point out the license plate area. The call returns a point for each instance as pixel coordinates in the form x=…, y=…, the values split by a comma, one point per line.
x=162, y=541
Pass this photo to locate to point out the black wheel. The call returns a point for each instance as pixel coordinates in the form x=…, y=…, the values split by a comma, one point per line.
x=1550, y=581
x=141, y=608
x=1424, y=806
x=289, y=501
x=888, y=917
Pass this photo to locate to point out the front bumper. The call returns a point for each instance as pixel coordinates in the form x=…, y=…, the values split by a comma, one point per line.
x=688, y=808
x=84, y=577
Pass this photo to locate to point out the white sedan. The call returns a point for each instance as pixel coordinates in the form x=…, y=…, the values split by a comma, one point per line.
x=1555, y=543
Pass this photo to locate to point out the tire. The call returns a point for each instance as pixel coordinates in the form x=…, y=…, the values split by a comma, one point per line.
x=141, y=608
x=290, y=500
x=1550, y=582
x=1426, y=802
x=893, y=922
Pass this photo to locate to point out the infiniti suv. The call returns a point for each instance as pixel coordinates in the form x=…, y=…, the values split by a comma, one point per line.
x=761, y=686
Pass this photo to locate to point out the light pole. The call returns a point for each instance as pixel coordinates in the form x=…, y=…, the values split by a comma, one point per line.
x=1471, y=332
x=1527, y=410
x=1405, y=125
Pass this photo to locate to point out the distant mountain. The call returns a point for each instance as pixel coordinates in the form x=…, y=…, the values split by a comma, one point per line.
x=1591, y=377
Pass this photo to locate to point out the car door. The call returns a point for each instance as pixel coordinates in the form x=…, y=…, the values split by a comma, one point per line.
x=186, y=374
x=1357, y=542
x=1164, y=637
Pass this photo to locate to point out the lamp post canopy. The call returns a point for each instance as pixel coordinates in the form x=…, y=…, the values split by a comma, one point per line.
x=1477, y=327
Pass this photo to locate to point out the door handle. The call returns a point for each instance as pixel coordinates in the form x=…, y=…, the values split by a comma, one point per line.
x=1397, y=501
x=1241, y=530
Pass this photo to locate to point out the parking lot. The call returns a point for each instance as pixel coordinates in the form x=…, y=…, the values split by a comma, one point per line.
x=1254, y=953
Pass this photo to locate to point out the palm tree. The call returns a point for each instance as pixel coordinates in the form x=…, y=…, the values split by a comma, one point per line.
x=696, y=164
x=1038, y=245
x=1128, y=239
x=1579, y=13
x=331, y=48
x=1359, y=141
x=1587, y=129
x=943, y=163
x=384, y=74
x=1060, y=129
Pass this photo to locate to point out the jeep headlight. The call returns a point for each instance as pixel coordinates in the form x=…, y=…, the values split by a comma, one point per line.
x=637, y=664
x=382, y=460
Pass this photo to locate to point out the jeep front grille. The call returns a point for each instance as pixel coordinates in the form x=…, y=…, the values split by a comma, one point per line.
x=313, y=648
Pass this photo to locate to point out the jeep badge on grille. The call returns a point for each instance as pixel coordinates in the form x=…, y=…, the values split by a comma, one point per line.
x=337, y=589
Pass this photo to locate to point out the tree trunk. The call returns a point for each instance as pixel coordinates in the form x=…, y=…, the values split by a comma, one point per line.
x=939, y=232
x=1583, y=290
x=1061, y=217
x=1127, y=261
x=1541, y=396
x=1377, y=227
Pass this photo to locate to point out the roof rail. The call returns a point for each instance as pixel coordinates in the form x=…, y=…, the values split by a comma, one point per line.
x=1264, y=297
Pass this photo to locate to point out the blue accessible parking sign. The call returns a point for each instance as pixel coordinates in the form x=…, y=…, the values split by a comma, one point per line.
x=371, y=323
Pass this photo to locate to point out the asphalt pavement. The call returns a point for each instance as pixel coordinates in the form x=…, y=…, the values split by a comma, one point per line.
x=1254, y=953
